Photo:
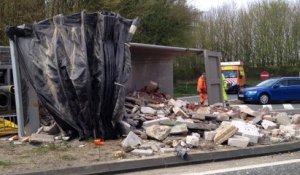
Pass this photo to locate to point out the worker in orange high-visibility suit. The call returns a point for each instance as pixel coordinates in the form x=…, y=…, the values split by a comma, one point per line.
x=202, y=89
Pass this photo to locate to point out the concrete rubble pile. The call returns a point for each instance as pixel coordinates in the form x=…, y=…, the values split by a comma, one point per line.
x=155, y=123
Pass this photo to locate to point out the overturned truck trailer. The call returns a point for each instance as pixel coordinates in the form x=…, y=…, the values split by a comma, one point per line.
x=77, y=65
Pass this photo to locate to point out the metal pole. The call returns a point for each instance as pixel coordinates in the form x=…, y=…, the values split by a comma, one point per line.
x=18, y=89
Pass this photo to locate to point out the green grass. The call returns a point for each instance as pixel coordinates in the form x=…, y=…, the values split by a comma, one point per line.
x=67, y=157
x=43, y=149
x=253, y=82
x=189, y=89
x=4, y=163
x=185, y=89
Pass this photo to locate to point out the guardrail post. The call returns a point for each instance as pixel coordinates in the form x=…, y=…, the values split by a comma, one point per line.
x=18, y=91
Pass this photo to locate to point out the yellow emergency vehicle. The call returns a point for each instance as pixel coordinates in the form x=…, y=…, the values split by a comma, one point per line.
x=234, y=74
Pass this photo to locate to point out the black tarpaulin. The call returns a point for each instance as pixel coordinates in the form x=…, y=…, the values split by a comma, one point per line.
x=78, y=65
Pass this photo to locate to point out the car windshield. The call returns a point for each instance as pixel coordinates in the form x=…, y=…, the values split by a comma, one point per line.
x=230, y=73
x=267, y=82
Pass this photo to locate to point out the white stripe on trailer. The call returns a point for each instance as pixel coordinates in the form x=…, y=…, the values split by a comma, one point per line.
x=267, y=106
x=288, y=106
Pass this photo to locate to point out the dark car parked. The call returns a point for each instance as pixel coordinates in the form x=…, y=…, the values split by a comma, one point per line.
x=272, y=90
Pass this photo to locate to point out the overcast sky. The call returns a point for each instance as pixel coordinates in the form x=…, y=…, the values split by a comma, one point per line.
x=205, y=5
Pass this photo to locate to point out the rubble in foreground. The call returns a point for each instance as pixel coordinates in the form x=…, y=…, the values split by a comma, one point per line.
x=166, y=125
x=155, y=124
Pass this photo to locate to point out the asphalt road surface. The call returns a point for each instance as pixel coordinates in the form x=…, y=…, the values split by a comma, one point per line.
x=285, y=164
x=291, y=108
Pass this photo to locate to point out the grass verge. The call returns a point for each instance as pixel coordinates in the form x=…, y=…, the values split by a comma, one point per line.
x=185, y=89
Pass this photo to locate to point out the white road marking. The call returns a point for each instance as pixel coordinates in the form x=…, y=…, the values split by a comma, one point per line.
x=267, y=106
x=288, y=106
x=232, y=170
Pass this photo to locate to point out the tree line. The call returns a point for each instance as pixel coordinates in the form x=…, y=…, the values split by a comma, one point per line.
x=163, y=21
x=265, y=35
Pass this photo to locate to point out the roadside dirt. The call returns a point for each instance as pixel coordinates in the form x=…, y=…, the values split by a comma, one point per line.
x=25, y=157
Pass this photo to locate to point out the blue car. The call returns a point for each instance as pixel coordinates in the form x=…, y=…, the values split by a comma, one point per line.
x=272, y=90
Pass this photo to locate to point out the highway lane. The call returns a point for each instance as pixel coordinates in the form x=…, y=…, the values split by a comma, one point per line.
x=230, y=167
x=291, y=108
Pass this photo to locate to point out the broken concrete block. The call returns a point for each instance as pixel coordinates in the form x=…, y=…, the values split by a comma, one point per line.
x=179, y=129
x=175, y=143
x=150, y=145
x=243, y=115
x=268, y=117
x=16, y=142
x=275, y=132
x=233, y=114
x=283, y=118
x=247, y=130
x=52, y=129
x=167, y=150
x=179, y=111
x=290, y=129
x=217, y=105
x=247, y=110
x=203, y=110
x=135, y=109
x=147, y=110
x=238, y=141
x=225, y=123
x=264, y=111
x=119, y=154
x=169, y=122
x=266, y=124
x=188, y=121
x=142, y=152
x=209, y=135
x=65, y=138
x=181, y=120
x=15, y=137
x=25, y=139
x=253, y=136
x=196, y=134
x=276, y=140
x=257, y=120
x=155, y=147
x=155, y=122
x=211, y=117
x=223, y=117
x=156, y=106
x=152, y=87
x=202, y=126
x=171, y=102
x=124, y=127
x=193, y=139
x=179, y=103
x=41, y=138
x=224, y=133
x=160, y=114
x=183, y=143
x=131, y=141
x=158, y=132
x=198, y=116
x=296, y=119
x=264, y=140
